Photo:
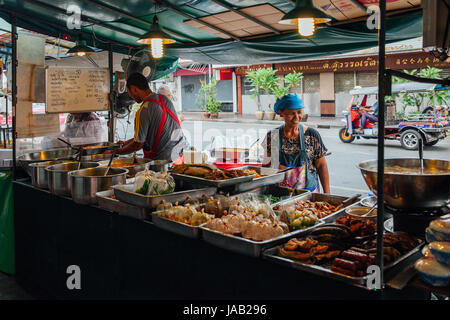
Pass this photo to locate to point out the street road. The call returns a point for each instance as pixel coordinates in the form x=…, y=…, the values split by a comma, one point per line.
x=345, y=177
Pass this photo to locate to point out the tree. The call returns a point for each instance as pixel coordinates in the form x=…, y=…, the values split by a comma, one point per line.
x=264, y=81
x=207, y=97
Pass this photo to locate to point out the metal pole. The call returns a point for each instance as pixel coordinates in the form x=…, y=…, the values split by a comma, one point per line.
x=111, y=102
x=381, y=116
x=14, y=90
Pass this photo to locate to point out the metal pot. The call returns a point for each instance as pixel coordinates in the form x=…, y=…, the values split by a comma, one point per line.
x=132, y=170
x=159, y=165
x=38, y=173
x=58, y=176
x=87, y=182
x=45, y=155
x=96, y=157
x=411, y=191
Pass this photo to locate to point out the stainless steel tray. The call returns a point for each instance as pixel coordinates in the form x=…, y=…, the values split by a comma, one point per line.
x=124, y=192
x=274, y=190
x=316, y=197
x=179, y=228
x=122, y=208
x=245, y=246
x=271, y=176
x=103, y=146
x=206, y=182
x=273, y=255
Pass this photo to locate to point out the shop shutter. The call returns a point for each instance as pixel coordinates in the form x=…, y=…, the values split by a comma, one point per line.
x=344, y=82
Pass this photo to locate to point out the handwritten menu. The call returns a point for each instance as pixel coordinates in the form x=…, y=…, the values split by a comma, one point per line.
x=76, y=90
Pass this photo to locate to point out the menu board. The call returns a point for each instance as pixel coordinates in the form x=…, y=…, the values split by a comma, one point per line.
x=76, y=89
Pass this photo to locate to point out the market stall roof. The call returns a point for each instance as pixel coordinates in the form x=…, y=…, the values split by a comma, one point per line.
x=216, y=31
x=397, y=88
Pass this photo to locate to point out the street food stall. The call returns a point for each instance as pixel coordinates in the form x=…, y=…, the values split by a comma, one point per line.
x=142, y=228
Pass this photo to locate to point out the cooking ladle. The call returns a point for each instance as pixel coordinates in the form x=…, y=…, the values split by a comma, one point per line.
x=109, y=164
x=421, y=155
x=76, y=148
x=346, y=201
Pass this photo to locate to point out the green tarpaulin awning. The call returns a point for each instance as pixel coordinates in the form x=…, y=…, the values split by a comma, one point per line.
x=122, y=22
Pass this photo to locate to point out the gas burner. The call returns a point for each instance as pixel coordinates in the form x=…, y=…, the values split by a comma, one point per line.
x=414, y=221
x=435, y=212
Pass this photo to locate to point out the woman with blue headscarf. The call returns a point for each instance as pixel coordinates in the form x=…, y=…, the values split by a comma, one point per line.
x=298, y=147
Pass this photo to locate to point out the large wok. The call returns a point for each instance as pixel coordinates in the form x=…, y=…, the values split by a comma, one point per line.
x=411, y=191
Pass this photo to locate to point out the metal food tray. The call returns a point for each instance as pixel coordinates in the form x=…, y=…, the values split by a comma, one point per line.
x=179, y=228
x=207, y=182
x=125, y=193
x=273, y=255
x=122, y=208
x=271, y=176
x=275, y=190
x=246, y=246
x=103, y=146
x=317, y=197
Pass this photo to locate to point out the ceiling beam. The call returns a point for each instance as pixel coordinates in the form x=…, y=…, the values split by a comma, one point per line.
x=83, y=18
x=128, y=16
x=359, y=5
x=190, y=17
x=246, y=16
x=60, y=26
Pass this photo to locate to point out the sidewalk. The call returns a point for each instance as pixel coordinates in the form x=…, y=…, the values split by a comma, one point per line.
x=316, y=122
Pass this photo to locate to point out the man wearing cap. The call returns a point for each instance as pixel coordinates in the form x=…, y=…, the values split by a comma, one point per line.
x=157, y=129
x=298, y=147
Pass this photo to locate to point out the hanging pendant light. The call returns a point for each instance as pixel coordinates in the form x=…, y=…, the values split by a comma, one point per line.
x=80, y=49
x=306, y=16
x=156, y=38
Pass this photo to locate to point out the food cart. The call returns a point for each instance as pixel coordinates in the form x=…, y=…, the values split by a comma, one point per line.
x=127, y=250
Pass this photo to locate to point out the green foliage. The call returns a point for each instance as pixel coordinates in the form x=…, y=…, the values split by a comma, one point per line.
x=293, y=79
x=416, y=99
x=265, y=81
x=280, y=91
x=207, y=97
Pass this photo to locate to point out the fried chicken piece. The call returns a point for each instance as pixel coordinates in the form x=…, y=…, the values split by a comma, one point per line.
x=295, y=254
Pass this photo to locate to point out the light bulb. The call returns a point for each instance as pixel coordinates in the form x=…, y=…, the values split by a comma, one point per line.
x=306, y=26
x=81, y=53
x=157, y=48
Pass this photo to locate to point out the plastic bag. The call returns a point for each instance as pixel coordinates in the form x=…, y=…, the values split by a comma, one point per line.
x=148, y=182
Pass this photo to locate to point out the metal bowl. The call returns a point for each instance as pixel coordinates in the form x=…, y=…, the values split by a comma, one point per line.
x=96, y=157
x=159, y=165
x=357, y=212
x=369, y=201
x=410, y=191
x=87, y=182
x=45, y=155
x=38, y=173
x=58, y=178
x=126, y=162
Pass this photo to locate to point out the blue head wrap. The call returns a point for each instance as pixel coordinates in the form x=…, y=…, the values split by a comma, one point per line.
x=288, y=101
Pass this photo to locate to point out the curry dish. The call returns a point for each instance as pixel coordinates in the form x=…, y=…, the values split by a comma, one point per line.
x=414, y=170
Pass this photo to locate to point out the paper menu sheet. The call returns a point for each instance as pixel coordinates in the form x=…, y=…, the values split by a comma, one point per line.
x=76, y=89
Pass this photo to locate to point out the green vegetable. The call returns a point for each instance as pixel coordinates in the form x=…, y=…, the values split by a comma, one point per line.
x=143, y=190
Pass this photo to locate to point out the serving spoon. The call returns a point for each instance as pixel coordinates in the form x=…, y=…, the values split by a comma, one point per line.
x=109, y=164
x=368, y=212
